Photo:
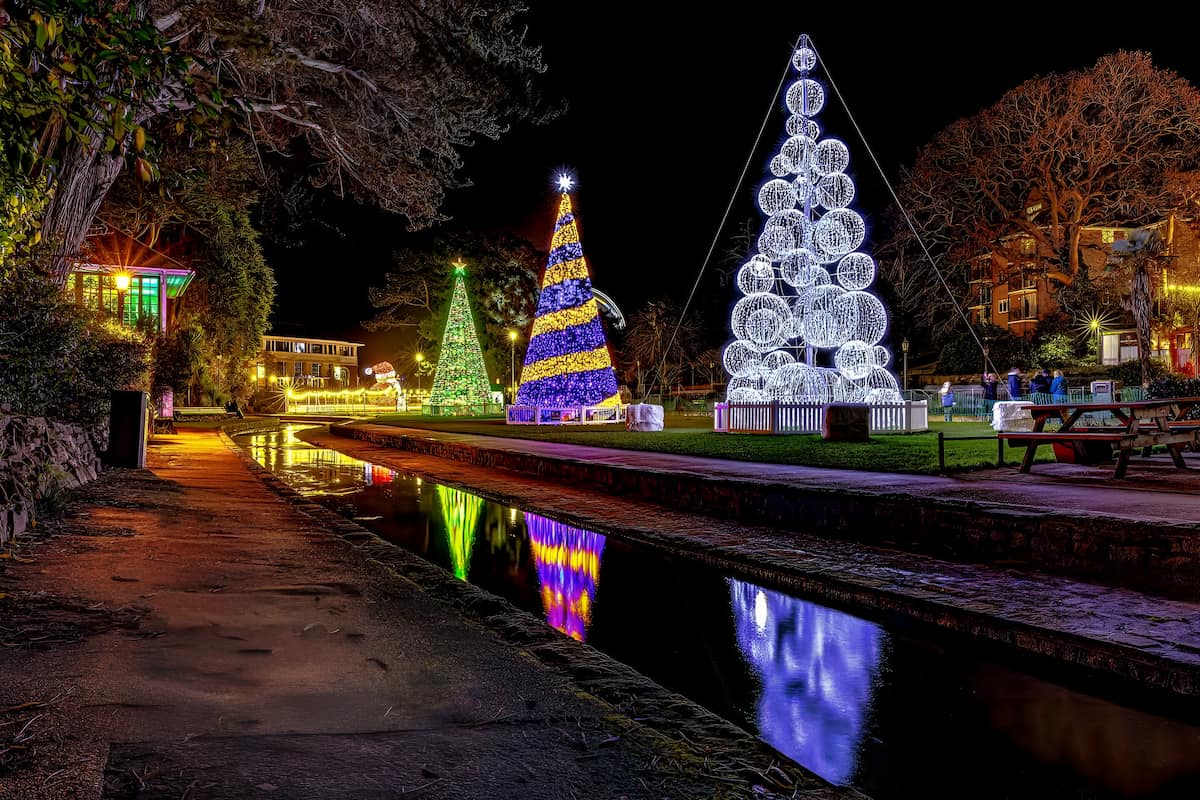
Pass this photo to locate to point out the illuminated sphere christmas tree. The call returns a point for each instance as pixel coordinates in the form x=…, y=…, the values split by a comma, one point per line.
x=567, y=362
x=806, y=295
x=461, y=379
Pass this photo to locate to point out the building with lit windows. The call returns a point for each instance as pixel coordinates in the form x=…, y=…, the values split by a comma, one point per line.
x=1014, y=290
x=305, y=361
x=121, y=278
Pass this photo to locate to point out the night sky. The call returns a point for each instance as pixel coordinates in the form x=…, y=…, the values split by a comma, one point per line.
x=662, y=109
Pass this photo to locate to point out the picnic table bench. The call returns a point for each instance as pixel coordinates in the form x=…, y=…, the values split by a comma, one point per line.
x=1144, y=424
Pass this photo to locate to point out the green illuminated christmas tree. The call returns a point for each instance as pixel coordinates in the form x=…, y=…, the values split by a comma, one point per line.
x=461, y=379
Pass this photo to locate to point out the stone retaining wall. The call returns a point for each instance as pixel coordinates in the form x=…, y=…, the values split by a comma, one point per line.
x=38, y=457
x=1155, y=557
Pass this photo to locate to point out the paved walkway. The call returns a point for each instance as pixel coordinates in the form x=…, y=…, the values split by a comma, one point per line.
x=193, y=633
x=1153, y=489
x=1116, y=632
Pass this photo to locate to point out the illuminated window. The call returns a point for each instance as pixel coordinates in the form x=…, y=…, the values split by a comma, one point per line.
x=299, y=347
x=1032, y=211
x=1028, y=246
x=1002, y=307
x=1107, y=235
x=260, y=371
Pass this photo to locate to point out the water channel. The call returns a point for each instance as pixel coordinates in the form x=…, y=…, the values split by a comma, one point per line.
x=883, y=708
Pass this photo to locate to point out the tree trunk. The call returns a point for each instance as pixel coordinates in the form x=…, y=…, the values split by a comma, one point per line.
x=1195, y=354
x=1140, y=304
x=79, y=189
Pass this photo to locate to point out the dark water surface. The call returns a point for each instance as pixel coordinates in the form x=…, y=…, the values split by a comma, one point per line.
x=884, y=709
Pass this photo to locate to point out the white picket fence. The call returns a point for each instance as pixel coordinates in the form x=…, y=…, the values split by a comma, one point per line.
x=564, y=415
x=905, y=417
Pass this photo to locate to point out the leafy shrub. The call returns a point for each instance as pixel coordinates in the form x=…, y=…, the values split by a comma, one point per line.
x=1176, y=386
x=1130, y=372
x=1055, y=351
x=57, y=360
x=961, y=353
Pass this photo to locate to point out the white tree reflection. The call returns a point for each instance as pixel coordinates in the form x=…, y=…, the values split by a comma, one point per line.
x=817, y=667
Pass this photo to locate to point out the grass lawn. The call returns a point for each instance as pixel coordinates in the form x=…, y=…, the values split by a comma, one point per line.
x=688, y=435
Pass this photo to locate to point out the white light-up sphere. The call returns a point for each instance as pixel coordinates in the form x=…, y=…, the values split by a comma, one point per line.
x=854, y=359
x=798, y=383
x=798, y=152
x=839, y=232
x=799, y=125
x=737, y=382
x=880, y=357
x=880, y=380
x=799, y=268
x=883, y=397
x=863, y=316
x=821, y=326
x=741, y=360
x=835, y=190
x=756, y=275
x=804, y=59
x=744, y=394
x=831, y=155
x=806, y=97
x=760, y=320
x=794, y=222
x=775, y=196
x=776, y=359
x=775, y=243
x=856, y=271
x=780, y=167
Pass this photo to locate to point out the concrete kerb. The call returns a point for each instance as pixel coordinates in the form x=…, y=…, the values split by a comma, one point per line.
x=1096, y=658
x=631, y=695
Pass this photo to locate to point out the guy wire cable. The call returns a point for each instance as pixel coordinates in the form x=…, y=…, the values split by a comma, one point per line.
x=907, y=219
x=725, y=217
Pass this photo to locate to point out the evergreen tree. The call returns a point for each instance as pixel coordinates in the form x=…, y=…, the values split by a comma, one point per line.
x=461, y=379
x=567, y=362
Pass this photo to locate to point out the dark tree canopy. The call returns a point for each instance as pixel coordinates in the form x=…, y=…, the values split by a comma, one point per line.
x=502, y=286
x=1111, y=145
x=373, y=98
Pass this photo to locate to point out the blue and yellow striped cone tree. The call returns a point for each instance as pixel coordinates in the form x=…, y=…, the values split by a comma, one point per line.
x=461, y=378
x=568, y=362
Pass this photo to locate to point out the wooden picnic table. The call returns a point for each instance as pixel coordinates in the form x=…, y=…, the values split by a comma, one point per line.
x=1143, y=424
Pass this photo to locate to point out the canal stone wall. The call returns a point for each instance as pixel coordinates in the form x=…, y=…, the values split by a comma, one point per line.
x=1145, y=555
x=39, y=458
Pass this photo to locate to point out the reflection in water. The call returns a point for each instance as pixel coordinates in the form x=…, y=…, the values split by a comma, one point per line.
x=817, y=666
x=568, y=567
x=1131, y=752
x=895, y=714
x=460, y=512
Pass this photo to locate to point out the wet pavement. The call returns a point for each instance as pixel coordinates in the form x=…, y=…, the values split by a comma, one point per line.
x=257, y=654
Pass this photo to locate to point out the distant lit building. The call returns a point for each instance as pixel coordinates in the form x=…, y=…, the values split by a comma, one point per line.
x=1013, y=289
x=304, y=361
x=128, y=281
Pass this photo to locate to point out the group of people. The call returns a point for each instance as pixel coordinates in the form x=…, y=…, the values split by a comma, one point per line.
x=1040, y=383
